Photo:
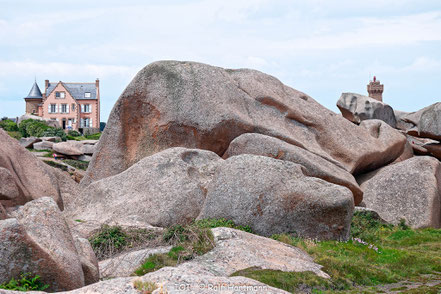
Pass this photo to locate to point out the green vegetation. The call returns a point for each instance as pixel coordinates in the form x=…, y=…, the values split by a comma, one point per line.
x=215, y=223
x=15, y=135
x=111, y=240
x=145, y=287
x=376, y=254
x=81, y=138
x=77, y=163
x=53, y=132
x=8, y=125
x=55, y=164
x=188, y=242
x=26, y=282
x=73, y=133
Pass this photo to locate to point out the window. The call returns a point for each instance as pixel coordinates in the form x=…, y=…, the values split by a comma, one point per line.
x=60, y=95
x=73, y=106
x=52, y=108
x=86, y=123
x=64, y=108
x=86, y=108
x=87, y=95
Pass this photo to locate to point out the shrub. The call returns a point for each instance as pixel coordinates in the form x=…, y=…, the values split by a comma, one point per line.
x=8, y=125
x=74, y=133
x=15, y=135
x=31, y=127
x=108, y=239
x=55, y=132
x=26, y=282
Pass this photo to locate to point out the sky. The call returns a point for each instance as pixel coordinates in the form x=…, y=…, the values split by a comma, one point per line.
x=320, y=47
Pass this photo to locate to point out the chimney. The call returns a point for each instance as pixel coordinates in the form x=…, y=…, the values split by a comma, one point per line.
x=46, y=85
x=97, y=83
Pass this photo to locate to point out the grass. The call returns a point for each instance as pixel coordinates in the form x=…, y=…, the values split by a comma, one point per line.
x=55, y=164
x=26, y=282
x=376, y=254
x=111, y=240
x=188, y=242
x=79, y=164
x=145, y=287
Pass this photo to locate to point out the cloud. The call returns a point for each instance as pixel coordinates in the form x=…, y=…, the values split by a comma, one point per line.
x=21, y=68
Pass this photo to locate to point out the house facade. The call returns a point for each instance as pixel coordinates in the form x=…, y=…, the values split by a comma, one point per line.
x=76, y=106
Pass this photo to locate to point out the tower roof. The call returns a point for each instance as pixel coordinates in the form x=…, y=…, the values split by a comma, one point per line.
x=35, y=92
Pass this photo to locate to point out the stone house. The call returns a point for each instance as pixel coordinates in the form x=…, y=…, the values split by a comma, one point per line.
x=76, y=106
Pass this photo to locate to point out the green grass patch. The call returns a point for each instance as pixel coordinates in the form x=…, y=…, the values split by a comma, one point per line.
x=215, y=223
x=55, y=164
x=26, y=282
x=376, y=254
x=111, y=240
x=15, y=134
x=79, y=164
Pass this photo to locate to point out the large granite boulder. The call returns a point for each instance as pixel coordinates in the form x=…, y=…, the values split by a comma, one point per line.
x=43, y=145
x=161, y=190
x=356, y=108
x=8, y=188
x=407, y=190
x=38, y=240
x=33, y=178
x=430, y=122
x=387, y=135
x=274, y=196
x=315, y=166
x=194, y=105
x=71, y=147
x=29, y=142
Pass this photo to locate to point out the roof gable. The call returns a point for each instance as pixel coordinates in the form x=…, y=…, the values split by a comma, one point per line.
x=76, y=90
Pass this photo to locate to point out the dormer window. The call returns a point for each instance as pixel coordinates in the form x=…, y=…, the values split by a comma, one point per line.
x=60, y=95
x=87, y=95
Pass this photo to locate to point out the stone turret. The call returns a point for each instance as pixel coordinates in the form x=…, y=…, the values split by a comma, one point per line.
x=375, y=89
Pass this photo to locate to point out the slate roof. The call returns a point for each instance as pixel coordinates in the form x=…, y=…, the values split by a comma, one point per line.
x=77, y=90
x=35, y=92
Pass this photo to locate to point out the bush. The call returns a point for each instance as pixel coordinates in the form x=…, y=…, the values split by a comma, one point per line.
x=53, y=132
x=74, y=133
x=31, y=127
x=15, y=135
x=25, y=283
x=8, y=125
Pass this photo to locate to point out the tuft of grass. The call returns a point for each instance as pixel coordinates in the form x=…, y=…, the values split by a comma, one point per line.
x=55, y=164
x=77, y=163
x=145, y=287
x=222, y=222
x=188, y=242
x=111, y=240
x=387, y=254
x=15, y=134
x=288, y=281
x=26, y=282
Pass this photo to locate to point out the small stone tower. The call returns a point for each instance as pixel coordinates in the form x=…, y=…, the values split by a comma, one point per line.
x=375, y=89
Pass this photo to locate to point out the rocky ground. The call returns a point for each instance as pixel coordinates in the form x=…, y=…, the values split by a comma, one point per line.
x=268, y=166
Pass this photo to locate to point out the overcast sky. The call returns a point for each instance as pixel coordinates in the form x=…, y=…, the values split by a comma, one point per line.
x=320, y=47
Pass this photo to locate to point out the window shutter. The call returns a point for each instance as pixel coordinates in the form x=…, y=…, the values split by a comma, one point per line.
x=49, y=108
x=82, y=107
x=67, y=108
x=81, y=122
x=90, y=123
x=57, y=108
x=90, y=109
